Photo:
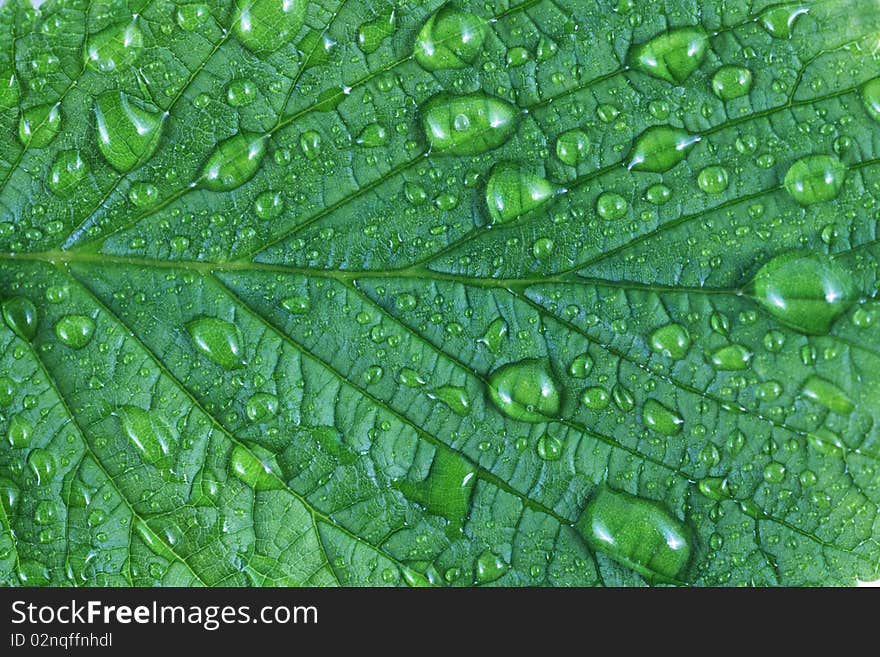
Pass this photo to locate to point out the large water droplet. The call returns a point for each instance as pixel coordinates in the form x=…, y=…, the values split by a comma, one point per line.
x=661, y=419
x=468, y=125
x=731, y=82
x=67, y=171
x=128, y=129
x=815, y=178
x=827, y=394
x=512, y=192
x=150, y=434
x=234, y=162
x=732, y=357
x=671, y=341
x=672, y=55
x=75, y=331
x=805, y=291
x=19, y=432
x=372, y=33
x=611, y=206
x=450, y=38
x=264, y=26
x=638, y=533
x=572, y=146
x=549, y=448
x=219, y=340
x=241, y=93
x=252, y=471
x=20, y=315
x=712, y=179
x=42, y=464
x=116, y=47
x=39, y=125
x=261, y=407
x=373, y=135
x=871, y=98
x=525, y=390
x=779, y=21
x=489, y=567
x=659, y=148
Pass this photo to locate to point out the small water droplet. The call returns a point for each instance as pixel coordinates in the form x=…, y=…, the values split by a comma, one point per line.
x=572, y=147
x=42, y=464
x=712, y=179
x=495, y=335
x=253, y=472
x=371, y=34
x=733, y=357
x=489, y=567
x=269, y=205
x=871, y=98
x=19, y=432
x=298, y=305
x=39, y=125
x=241, y=93
x=455, y=398
x=261, y=407
x=67, y=171
x=774, y=473
x=779, y=21
x=411, y=378
x=671, y=340
x=731, y=82
x=549, y=448
x=658, y=194
x=372, y=136
x=659, y=148
x=150, y=434
x=611, y=206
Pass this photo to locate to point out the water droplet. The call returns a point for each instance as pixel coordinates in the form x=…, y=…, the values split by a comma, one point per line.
x=241, y=93
x=269, y=205
x=253, y=472
x=192, y=16
x=261, y=407
x=805, y=291
x=672, y=55
x=659, y=148
x=7, y=390
x=623, y=398
x=489, y=567
x=454, y=397
x=42, y=464
x=768, y=390
x=234, y=162
x=513, y=192
x=39, y=125
x=517, y=56
x=372, y=136
x=543, y=248
x=298, y=305
x=580, y=366
x=731, y=82
x=595, y=398
x=871, y=98
x=410, y=378
x=815, y=179
x=572, y=147
x=148, y=431
x=20, y=315
x=264, y=26
x=116, y=47
x=450, y=38
x=19, y=432
x=774, y=473
x=494, y=336
x=10, y=94
x=143, y=194
x=733, y=357
x=372, y=33
x=825, y=441
x=33, y=573
x=611, y=206
x=638, y=533
x=75, y=331
x=128, y=129
x=330, y=99
x=779, y=21
x=671, y=341
x=525, y=390
x=468, y=125
x=827, y=394
x=218, y=340
x=715, y=488
x=712, y=179
x=658, y=194
x=661, y=419
x=549, y=448
x=546, y=49
x=447, y=488
x=67, y=171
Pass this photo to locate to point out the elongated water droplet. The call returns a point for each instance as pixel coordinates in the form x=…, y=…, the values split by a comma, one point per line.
x=815, y=179
x=252, y=471
x=638, y=533
x=20, y=315
x=827, y=394
x=661, y=419
x=659, y=148
x=489, y=567
x=450, y=38
x=779, y=21
x=234, y=162
x=825, y=441
x=42, y=464
x=580, y=366
x=468, y=125
x=67, y=171
x=671, y=341
x=116, y=47
x=10, y=93
x=805, y=291
x=447, y=488
x=512, y=192
x=75, y=331
x=410, y=378
x=128, y=129
x=372, y=33
x=733, y=357
x=219, y=340
x=871, y=98
x=264, y=26
x=672, y=55
x=19, y=432
x=261, y=407
x=150, y=434
x=39, y=125
x=494, y=336
x=731, y=82
x=572, y=147
x=525, y=390
x=623, y=398
x=715, y=488
x=454, y=397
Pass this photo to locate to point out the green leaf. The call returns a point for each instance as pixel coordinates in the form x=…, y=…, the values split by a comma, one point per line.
x=517, y=293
